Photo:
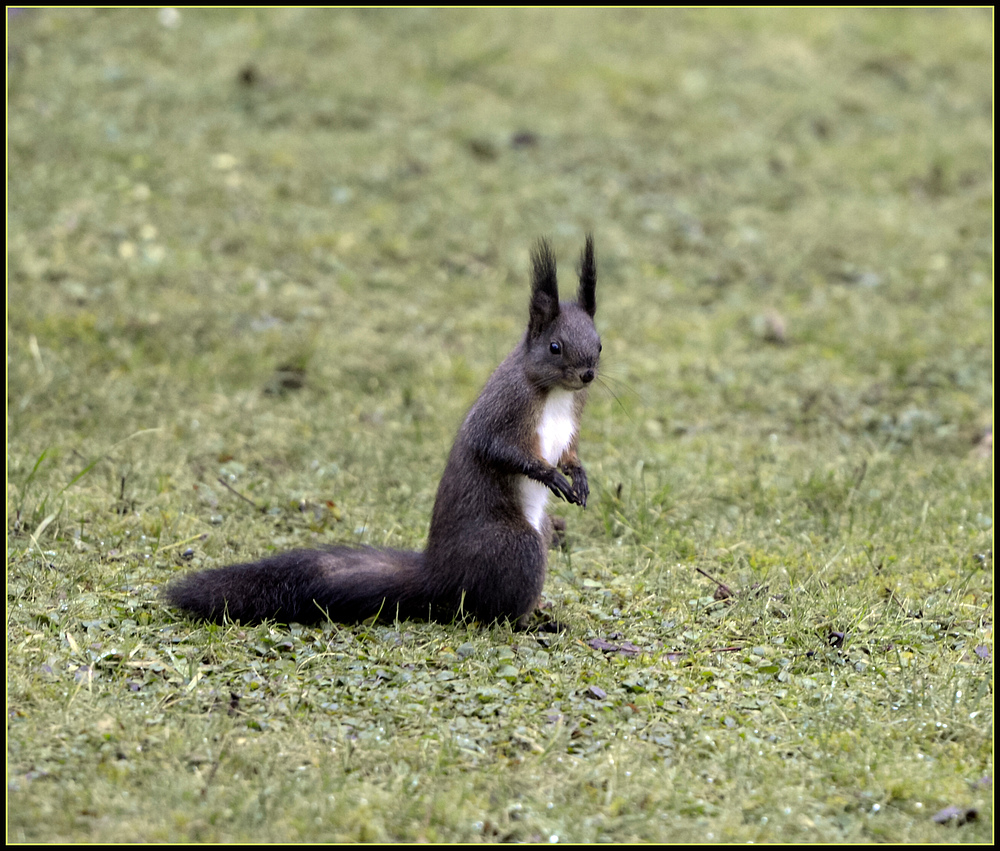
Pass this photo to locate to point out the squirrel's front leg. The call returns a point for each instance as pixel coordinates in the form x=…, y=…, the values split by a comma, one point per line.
x=556, y=482
x=581, y=489
x=571, y=466
x=508, y=456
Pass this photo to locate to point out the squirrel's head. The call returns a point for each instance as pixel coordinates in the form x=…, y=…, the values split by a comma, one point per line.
x=562, y=344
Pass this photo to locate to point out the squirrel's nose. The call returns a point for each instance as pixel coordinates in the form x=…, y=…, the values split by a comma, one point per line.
x=587, y=377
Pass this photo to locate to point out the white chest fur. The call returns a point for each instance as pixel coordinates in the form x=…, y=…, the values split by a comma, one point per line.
x=555, y=433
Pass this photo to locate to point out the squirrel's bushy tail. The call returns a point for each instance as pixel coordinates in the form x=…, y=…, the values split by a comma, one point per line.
x=307, y=586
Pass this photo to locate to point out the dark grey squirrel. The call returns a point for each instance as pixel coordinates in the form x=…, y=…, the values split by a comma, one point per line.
x=487, y=548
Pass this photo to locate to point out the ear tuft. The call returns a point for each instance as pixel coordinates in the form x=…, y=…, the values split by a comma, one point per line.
x=544, y=290
x=586, y=296
x=543, y=270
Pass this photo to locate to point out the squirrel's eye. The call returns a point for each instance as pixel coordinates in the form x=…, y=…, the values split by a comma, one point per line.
x=554, y=347
x=600, y=348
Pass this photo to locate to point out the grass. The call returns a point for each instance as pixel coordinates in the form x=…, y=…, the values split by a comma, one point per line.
x=275, y=254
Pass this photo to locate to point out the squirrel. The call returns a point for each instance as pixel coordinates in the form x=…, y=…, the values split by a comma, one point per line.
x=487, y=547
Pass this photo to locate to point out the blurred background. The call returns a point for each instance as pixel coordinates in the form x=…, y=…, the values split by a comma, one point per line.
x=261, y=261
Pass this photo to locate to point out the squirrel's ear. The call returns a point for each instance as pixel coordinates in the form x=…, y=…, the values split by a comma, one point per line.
x=586, y=297
x=544, y=290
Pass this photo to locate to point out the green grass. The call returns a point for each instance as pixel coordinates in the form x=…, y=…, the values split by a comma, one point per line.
x=286, y=248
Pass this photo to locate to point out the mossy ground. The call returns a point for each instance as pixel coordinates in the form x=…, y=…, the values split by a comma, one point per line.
x=284, y=248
